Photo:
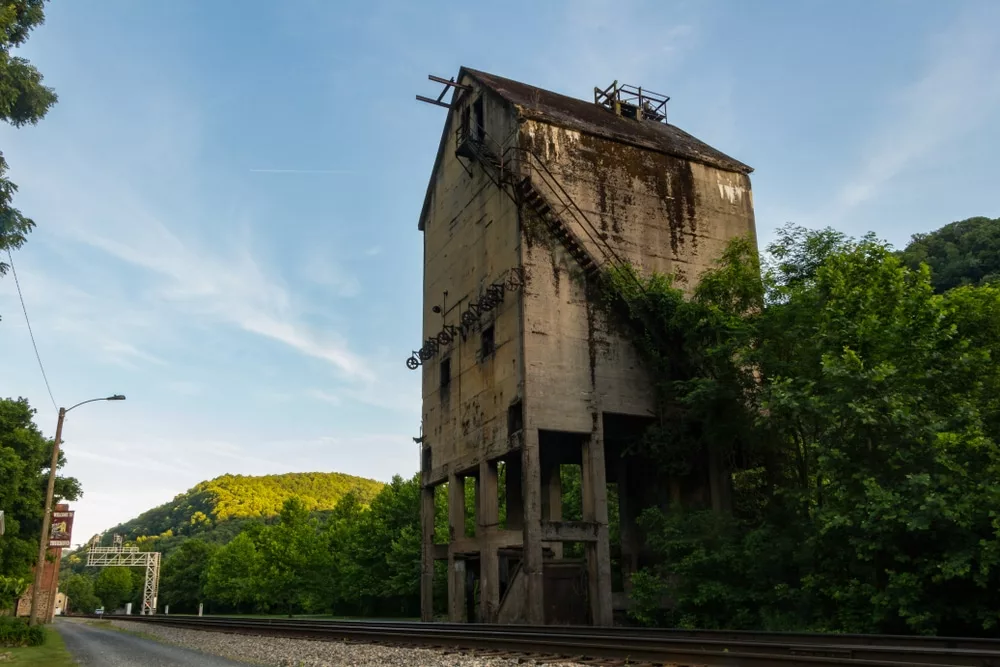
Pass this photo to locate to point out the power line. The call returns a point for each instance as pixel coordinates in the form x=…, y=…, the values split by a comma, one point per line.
x=13, y=271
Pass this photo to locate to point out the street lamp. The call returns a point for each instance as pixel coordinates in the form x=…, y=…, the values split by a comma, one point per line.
x=47, y=517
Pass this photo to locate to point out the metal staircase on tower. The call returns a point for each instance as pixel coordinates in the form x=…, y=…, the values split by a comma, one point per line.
x=527, y=180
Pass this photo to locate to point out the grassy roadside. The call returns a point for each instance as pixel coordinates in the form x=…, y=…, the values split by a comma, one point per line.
x=52, y=653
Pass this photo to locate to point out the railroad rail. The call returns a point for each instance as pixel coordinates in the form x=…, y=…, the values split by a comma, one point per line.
x=615, y=646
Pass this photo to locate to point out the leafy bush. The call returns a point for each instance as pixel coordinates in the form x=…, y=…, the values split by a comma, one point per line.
x=858, y=411
x=11, y=588
x=17, y=632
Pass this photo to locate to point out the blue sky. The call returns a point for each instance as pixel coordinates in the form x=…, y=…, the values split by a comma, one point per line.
x=227, y=194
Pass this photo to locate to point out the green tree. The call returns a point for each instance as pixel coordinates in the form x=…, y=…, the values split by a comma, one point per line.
x=25, y=455
x=339, y=534
x=113, y=586
x=966, y=252
x=11, y=589
x=79, y=589
x=184, y=575
x=290, y=552
x=392, y=518
x=138, y=588
x=233, y=572
x=23, y=100
x=861, y=408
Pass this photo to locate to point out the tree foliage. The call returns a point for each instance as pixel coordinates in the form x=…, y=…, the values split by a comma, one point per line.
x=11, y=589
x=231, y=575
x=185, y=573
x=25, y=455
x=114, y=587
x=80, y=591
x=966, y=252
x=219, y=509
x=23, y=100
x=357, y=558
x=860, y=411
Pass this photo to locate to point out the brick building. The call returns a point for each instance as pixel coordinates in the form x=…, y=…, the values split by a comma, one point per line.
x=50, y=582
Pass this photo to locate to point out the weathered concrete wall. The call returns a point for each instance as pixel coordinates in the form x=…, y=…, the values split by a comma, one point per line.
x=553, y=348
x=661, y=213
x=470, y=240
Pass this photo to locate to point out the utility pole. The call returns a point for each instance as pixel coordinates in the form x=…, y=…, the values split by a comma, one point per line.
x=43, y=542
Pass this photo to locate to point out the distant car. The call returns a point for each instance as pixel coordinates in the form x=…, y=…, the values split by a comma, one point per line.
x=99, y=611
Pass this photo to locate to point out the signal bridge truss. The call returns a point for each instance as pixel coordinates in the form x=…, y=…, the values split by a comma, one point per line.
x=119, y=555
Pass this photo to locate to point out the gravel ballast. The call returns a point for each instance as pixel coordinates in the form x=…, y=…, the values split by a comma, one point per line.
x=282, y=652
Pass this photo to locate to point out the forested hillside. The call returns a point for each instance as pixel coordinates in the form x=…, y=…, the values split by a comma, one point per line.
x=216, y=510
x=966, y=252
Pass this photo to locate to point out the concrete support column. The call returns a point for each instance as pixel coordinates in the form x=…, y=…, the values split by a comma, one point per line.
x=456, y=590
x=531, y=490
x=488, y=519
x=456, y=566
x=427, y=554
x=595, y=508
x=552, y=501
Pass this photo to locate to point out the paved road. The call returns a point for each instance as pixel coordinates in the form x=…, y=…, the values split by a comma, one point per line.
x=97, y=647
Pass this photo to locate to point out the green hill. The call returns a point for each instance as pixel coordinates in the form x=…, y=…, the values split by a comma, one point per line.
x=217, y=509
x=966, y=252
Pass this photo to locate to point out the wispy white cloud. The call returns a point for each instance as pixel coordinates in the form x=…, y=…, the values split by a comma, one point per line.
x=957, y=92
x=135, y=460
x=126, y=354
x=374, y=250
x=230, y=285
x=327, y=272
x=69, y=318
x=324, y=396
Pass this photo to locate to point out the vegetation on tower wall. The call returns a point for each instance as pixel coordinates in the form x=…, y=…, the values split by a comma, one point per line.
x=865, y=412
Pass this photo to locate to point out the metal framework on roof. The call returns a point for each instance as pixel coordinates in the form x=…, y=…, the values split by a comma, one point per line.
x=448, y=85
x=632, y=102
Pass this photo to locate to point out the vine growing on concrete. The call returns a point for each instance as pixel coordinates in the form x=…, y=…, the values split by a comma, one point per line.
x=863, y=406
x=693, y=349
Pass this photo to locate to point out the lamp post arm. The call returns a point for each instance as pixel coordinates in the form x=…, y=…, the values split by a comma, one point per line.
x=92, y=400
x=35, y=615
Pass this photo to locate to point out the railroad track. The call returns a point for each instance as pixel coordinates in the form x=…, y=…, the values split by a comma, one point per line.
x=620, y=646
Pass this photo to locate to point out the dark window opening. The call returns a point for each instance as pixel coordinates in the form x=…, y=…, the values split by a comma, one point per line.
x=427, y=459
x=445, y=373
x=477, y=110
x=466, y=122
x=515, y=418
x=488, y=342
